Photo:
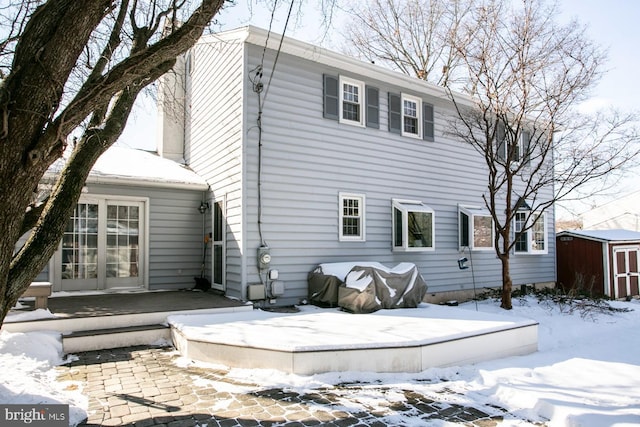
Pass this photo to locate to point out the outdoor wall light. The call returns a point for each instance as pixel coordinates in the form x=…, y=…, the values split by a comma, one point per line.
x=462, y=263
x=203, y=207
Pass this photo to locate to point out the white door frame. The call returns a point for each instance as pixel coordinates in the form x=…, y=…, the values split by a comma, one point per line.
x=627, y=274
x=218, y=242
x=102, y=282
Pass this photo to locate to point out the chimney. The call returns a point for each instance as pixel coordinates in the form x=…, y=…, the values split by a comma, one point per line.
x=171, y=109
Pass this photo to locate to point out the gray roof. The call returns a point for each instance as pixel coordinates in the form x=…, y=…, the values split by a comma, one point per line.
x=617, y=235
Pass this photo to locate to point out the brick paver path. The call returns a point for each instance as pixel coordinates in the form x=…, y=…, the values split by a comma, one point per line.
x=143, y=386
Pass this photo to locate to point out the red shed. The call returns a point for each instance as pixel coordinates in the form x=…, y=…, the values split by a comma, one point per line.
x=605, y=261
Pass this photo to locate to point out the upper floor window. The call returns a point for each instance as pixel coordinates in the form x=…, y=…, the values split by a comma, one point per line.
x=530, y=239
x=413, y=226
x=475, y=228
x=520, y=149
x=350, y=101
x=409, y=116
x=351, y=215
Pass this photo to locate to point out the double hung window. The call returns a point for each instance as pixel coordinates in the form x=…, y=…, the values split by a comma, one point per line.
x=517, y=151
x=351, y=221
x=411, y=117
x=350, y=101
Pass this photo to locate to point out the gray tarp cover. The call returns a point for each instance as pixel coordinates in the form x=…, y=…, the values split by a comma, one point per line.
x=366, y=289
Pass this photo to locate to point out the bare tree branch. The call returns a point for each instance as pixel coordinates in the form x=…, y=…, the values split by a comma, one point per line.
x=514, y=76
x=73, y=65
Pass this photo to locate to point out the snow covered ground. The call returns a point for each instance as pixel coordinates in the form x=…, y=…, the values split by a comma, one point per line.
x=586, y=372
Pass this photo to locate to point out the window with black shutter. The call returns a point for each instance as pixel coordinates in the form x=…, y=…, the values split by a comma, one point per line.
x=331, y=97
x=395, y=113
x=428, y=128
x=373, y=107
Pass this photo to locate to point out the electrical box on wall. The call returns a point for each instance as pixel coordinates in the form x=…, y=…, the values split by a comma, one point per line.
x=256, y=292
x=264, y=257
x=277, y=288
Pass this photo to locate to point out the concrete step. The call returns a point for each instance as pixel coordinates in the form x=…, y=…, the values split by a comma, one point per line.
x=98, y=322
x=100, y=339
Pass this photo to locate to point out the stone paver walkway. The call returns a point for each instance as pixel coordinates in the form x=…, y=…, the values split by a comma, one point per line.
x=143, y=386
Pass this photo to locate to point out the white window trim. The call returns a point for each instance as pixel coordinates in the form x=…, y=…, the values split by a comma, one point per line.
x=407, y=206
x=471, y=212
x=361, y=98
x=56, y=260
x=529, y=235
x=341, y=237
x=418, y=103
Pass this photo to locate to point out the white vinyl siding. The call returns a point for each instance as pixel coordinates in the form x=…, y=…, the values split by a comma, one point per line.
x=216, y=144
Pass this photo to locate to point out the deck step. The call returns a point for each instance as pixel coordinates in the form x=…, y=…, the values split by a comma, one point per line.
x=100, y=339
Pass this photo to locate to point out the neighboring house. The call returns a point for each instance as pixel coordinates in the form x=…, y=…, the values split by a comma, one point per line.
x=621, y=213
x=601, y=262
x=314, y=157
x=137, y=226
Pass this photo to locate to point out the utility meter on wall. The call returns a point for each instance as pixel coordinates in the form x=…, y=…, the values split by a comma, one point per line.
x=264, y=257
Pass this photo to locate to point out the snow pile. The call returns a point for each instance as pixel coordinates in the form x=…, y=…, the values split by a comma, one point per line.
x=585, y=374
x=28, y=361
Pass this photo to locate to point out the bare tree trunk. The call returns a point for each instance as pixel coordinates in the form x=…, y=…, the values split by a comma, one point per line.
x=507, y=284
x=33, y=132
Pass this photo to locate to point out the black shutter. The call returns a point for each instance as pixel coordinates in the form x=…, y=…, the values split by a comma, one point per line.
x=395, y=113
x=526, y=146
x=330, y=97
x=427, y=122
x=501, y=148
x=373, y=107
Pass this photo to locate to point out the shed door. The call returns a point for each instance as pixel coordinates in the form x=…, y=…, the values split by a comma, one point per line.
x=625, y=270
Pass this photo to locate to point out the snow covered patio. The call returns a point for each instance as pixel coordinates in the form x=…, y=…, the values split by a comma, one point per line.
x=317, y=340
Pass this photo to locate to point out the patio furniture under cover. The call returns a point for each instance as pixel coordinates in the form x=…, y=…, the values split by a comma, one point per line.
x=364, y=287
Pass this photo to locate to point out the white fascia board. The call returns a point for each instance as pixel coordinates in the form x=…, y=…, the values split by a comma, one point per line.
x=114, y=180
x=135, y=182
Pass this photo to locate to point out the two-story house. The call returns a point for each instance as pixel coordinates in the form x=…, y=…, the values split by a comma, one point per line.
x=314, y=157
x=296, y=156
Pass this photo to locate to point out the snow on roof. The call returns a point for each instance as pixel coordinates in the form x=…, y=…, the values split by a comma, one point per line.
x=617, y=235
x=129, y=166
